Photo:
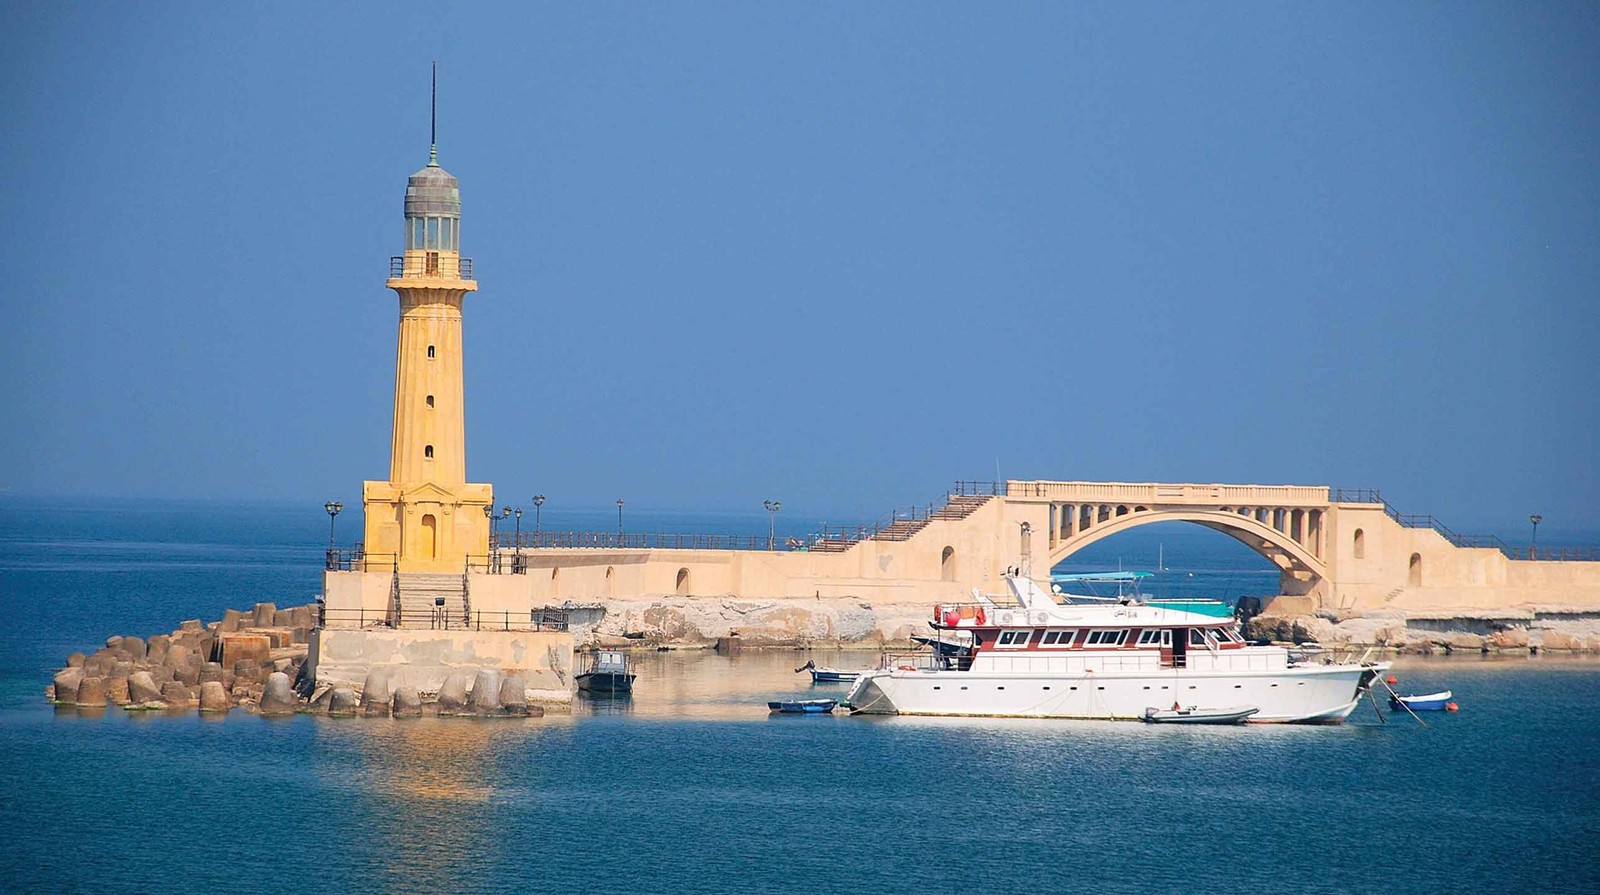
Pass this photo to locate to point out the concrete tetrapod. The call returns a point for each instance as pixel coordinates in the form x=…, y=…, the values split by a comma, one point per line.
x=342, y=702
x=375, y=695
x=485, y=698
x=214, y=698
x=453, y=694
x=67, y=681
x=514, y=695
x=407, y=702
x=142, y=688
x=277, y=698
x=176, y=695
x=92, y=693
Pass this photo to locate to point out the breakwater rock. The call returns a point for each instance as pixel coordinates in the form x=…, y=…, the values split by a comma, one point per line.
x=256, y=659
x=214, y=667
x=1519, y=630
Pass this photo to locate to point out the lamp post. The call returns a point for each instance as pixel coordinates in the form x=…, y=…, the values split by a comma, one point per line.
x=619, y=522
x=1535, y=519
x=538, y=521
x=488, y=513
x=333, y=507
x=773, y=506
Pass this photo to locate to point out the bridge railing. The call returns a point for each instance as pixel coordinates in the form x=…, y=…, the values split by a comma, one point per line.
x=1157, y=493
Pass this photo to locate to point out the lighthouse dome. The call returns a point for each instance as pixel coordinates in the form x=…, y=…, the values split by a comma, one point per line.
x=433, y=192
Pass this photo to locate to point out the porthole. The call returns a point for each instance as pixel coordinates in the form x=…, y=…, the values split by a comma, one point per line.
x=938, y=688
x=999, y=688
x=1047, y=688
x=963, y=688
x=1100, y=688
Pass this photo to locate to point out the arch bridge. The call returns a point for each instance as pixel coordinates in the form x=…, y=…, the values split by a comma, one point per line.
x=1284, y=523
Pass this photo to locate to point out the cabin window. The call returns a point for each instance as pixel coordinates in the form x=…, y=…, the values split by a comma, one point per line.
x=1232, y=635
x=1150, y=637
x=1014, y=639
x=1196, y=638
x=1058, y=638
x=1104, y=638
x=430, y=402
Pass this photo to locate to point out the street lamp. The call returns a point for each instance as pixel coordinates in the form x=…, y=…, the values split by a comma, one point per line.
x=538, y=522
x=333, y=507
x=518, y=513
x=1535, y=519
x=773, y=506
x=619, y=522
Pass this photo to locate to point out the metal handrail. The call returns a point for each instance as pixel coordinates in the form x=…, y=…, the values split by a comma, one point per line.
x=358, y=560
x=366, y=618
x=397, y=269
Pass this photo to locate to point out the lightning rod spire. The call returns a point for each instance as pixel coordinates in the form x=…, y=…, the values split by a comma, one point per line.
x=433, y=121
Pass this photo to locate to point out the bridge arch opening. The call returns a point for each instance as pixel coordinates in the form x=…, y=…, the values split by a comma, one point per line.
x=1360, y=544
x=611, y=582
x=1186, y=559
x=947, y=564
x=555, y=582
x=682, y=586
x=1414, y=574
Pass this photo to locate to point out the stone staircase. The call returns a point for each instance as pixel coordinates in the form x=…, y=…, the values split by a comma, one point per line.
x=419, y=595
x=955, y=507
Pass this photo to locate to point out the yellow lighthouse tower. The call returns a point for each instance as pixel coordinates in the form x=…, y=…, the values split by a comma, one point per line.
x=427, y=514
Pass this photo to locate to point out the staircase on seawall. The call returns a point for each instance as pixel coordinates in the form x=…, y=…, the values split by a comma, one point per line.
x=954, y=508
x=419, y=598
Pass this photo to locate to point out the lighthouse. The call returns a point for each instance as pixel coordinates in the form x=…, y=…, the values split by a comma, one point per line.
x=427, y=515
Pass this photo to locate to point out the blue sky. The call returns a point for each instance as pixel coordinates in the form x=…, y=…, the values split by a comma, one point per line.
x=835, y=254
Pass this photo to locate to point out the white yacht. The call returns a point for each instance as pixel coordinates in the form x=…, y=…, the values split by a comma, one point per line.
x=1033, y=657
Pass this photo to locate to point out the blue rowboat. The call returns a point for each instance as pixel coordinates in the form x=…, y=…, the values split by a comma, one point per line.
x=1431, y=702
x=803, y=706
x=825, y=675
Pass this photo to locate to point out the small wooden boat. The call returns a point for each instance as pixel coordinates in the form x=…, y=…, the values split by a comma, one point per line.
x=1431, y=702
x=608, y=672
x=825, y=675
x=803, y=706
x=1196, y=715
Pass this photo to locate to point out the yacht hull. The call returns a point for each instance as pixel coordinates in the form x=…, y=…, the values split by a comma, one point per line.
x=1324, y=694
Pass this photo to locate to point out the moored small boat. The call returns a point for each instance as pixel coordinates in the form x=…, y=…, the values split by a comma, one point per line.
x=826, y=675
x=608, y=672
x=1430, y=702
x=1196, y=715
x=802, y=706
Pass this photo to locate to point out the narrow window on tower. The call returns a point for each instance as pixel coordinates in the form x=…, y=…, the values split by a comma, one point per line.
x=427, y=452
x=430, y=352
x=430, y=402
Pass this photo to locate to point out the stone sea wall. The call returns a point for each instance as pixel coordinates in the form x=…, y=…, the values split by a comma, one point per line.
x=1525, y=631
x=690, y=622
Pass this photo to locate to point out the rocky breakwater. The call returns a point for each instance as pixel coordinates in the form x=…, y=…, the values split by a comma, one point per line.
x=213, y=667
x=699, y=622
x=256, y=660
x=1522, y=631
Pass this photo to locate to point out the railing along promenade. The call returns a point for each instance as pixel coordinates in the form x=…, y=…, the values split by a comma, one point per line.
x=357, y=559
x=548, y=618
x=1490, y=542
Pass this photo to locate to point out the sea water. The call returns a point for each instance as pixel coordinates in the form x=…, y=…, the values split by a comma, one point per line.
x=690, y=786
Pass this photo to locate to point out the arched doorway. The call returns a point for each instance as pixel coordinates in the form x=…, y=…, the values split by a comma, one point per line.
x=1361, y=544
x=947, y=564
x=428, y=541
x=1414, y=576
x=682, y=587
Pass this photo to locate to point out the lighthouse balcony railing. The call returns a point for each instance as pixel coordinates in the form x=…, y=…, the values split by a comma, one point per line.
x=431, y=265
